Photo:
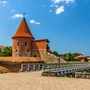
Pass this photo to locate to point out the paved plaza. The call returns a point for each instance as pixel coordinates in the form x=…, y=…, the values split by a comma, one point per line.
x=34, y=81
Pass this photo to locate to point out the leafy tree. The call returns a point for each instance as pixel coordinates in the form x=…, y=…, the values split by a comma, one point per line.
x=70, y=55
x=63, y=55
x=76, y=54
x=55, y=53
x=7, y=51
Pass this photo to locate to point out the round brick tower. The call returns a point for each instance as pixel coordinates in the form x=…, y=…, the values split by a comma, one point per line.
x=22, y=40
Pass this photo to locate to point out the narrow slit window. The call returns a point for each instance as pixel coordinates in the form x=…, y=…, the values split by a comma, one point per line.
x=16, y=50
x=25, y=43
x=17, y=43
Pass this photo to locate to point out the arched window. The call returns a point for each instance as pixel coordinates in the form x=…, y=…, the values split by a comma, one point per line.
x=25, y=43
x=17, y=43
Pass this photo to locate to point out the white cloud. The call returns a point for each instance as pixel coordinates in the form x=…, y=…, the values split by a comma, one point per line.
x=51, y=5
x=55, y=1
x=66, y=1
x=17, y=16
x=56, y=6
x=12, y=10
x=3, y=2
x=72, y=1
x=43, y=5
x=50, y=10
x=34, y=22
x=60, y=10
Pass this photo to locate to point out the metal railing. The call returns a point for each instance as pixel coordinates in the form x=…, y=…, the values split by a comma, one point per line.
x=60, y=68
x=67, y=68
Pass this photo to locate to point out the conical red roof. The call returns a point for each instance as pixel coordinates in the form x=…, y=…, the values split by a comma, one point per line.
x=23, y=30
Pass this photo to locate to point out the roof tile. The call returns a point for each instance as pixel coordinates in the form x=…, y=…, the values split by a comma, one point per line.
x=23, y=30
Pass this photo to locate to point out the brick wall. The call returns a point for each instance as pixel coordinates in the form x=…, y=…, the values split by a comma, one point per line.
x=12, y=67
x=15, y=67
x=19, y=48
x=39, y=48
x=33, y=48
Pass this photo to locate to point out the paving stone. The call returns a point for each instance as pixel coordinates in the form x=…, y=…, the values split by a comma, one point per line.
x=34, y=81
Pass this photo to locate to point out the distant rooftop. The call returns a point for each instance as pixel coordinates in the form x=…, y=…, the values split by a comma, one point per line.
x=1, y=47
x=80, y=57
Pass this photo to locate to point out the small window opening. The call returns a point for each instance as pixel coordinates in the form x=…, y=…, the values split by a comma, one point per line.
x=34, y=55
x=17, y=43
x=27, y=50
x=16, y=50
x=25, y=43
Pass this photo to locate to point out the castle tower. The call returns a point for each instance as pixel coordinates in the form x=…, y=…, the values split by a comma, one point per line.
x=22, y=40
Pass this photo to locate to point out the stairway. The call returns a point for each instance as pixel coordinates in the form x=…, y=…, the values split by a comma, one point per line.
x=50, y=58
x=62, y=60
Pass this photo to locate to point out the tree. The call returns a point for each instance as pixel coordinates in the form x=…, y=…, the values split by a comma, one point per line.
x=76, y=54
x=55, y=53
x=69, y=56
x=7, y=51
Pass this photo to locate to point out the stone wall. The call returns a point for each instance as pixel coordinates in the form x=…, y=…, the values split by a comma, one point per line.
x=12, y=67
x=52, y=58
x=21, y=54
x=82, y=75
x=15, y=67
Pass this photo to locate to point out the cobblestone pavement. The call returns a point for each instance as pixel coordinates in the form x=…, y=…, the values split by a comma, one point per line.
x=34, y=81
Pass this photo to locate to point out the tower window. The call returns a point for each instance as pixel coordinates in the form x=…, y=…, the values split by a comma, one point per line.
x=17, y=43
x=34, y=55
x=16, y=50
x=27, y=50
x=25, y=43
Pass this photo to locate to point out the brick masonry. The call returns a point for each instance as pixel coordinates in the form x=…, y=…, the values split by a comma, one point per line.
x=24, y=44
x=15, y=67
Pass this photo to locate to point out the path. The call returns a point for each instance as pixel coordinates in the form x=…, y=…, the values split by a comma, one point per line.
x=34, y=81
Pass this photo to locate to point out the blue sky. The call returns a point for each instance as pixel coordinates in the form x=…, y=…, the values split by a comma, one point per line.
x=66, y=23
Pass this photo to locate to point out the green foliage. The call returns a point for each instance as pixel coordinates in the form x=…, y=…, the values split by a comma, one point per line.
x=76, y=54
x=7, y=51
x=70, y=55
x=55, y=53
